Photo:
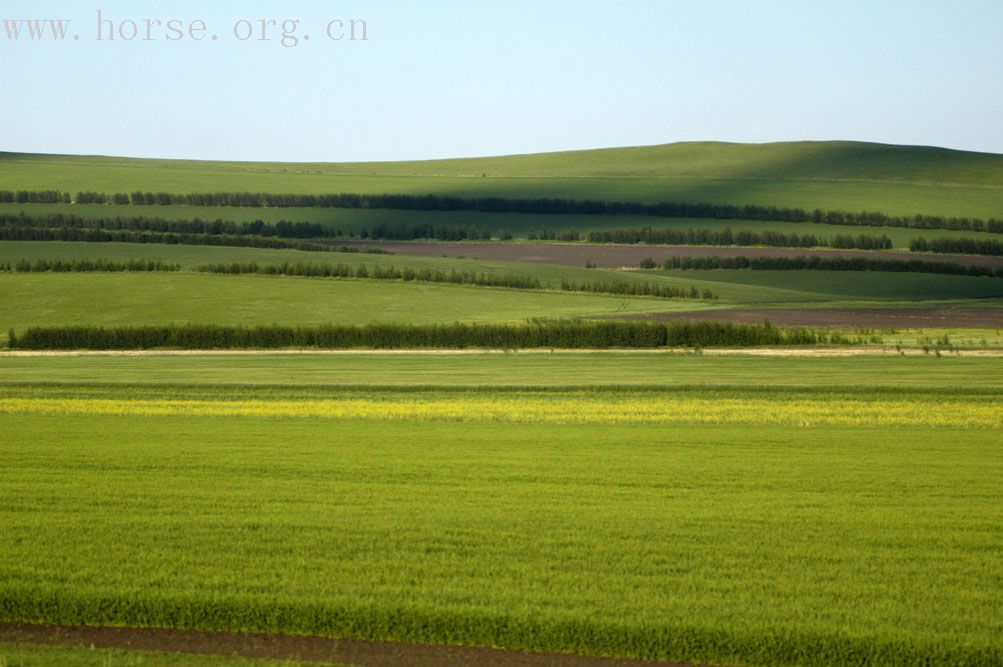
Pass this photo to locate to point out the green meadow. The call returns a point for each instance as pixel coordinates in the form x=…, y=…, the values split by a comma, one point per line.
x=719, y=543
x=120, y=299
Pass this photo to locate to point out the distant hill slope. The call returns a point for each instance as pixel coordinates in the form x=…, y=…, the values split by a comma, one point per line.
x=845, y=175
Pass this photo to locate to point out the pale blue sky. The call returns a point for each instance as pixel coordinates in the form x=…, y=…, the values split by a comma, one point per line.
x=442, y=78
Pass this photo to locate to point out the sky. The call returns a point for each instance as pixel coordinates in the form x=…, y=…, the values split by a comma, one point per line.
x=444, y=78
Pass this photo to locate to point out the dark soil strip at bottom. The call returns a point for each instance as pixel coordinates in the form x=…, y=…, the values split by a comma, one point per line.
x=870, y=318
x=617, y=256
x=314, y=649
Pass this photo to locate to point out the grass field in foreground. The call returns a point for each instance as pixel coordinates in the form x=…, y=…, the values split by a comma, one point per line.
x=832, y=175
x=727, y=544
x=29, y=655
x=354, y=220
x=566, y=370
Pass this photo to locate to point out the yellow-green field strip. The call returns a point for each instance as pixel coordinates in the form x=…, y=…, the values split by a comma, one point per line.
x=556, y=409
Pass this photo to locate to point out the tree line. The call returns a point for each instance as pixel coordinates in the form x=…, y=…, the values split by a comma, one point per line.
x=34, y=197
x=552, y=334
x=438, y=232
x=137, y=223
x=62, y=227
x=259, y=228
x=638, y=289
x=727, y=237
x=110, y=236
x=547, y=206
x=453, y=277
x=404, y=274
x=547, y=234
x=990, y=247
x=817, y=263
x=87, y=266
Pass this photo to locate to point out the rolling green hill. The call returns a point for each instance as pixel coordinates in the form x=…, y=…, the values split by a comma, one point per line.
x=831, y=175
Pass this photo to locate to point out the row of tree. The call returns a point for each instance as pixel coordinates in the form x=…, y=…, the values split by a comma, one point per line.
x=453, y=277
x=505, y=205
x=108, y=236
x=136, y=223
x=404, y=274
x=727, y=237
x=552, y=334
x=638, y=289
x=546, y=234
x=818, y=263
x=87, y=266
x=534, y=206
x=958, y=246
x=282, y=229
x=34, y=197
x=438, y=232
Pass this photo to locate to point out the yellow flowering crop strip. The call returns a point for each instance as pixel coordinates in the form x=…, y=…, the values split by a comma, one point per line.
x=552, y=409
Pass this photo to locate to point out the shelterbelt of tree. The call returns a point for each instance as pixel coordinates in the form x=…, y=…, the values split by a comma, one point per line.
x=547, y=206
x=836, y=176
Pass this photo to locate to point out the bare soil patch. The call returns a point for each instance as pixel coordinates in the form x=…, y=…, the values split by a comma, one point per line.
x=858, y=318
x=314, y=649
x=617, y=256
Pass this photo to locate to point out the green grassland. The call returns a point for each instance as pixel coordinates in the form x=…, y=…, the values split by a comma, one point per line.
x=724, y=544
x=56, y=299
x=125, y=299
x=353, y=221
x=831, y=175
x=160, y=298
x=562, y=370
x=28, y=655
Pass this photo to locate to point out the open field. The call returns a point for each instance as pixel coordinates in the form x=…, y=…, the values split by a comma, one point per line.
x=725, y=542
x=881, y=318
x=562, y=370
x=40, y=299
x=116, y=299
x=830, y=175
x=123, y=299
x=353, y=221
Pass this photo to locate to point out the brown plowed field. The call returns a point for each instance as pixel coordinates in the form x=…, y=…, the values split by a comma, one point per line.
x=314, y=649
x=616, y=256
x=894, y=318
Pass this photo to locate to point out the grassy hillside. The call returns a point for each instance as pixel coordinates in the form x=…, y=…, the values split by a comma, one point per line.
x=837, y=175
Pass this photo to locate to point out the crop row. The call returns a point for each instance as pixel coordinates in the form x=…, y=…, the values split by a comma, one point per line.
x=556, y=408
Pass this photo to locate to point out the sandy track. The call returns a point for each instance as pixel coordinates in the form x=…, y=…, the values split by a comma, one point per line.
x=752, y=352
x=898, y=318
x=617, y=256
x=316, y=649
